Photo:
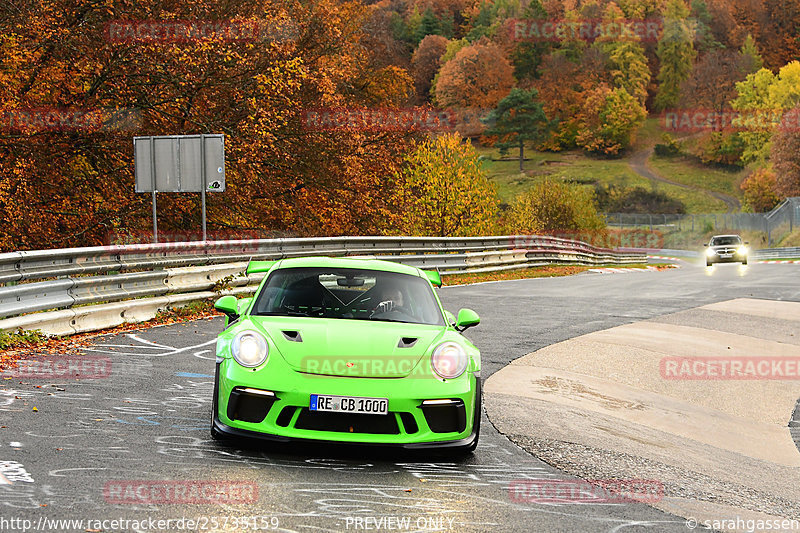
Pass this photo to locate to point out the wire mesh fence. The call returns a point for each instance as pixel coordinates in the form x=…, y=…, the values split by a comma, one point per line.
x=686, y=229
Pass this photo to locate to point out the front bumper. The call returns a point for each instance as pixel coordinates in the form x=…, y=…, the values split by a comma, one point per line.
x=285, y=416
x=735, y=258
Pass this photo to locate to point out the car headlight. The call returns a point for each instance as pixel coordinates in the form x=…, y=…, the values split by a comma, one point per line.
x=710, y=252
x=742, y=250
x=249, y=348
x=449, y=360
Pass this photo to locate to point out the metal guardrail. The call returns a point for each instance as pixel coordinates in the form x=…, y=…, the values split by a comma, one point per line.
x=777, y=253
x=93, y=288
x=764, y=253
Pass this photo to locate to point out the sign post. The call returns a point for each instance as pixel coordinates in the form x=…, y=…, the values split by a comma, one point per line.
x=180, y=163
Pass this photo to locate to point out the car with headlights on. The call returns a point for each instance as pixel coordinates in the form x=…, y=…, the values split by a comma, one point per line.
x=726, y=249
x=356, y=351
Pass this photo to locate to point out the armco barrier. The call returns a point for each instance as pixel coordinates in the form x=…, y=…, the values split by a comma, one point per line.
x=85, y=289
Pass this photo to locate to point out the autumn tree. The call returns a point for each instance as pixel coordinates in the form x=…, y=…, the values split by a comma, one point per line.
x=779, y=32
x=552, y=205
x=676, y=53
x=475, y=80
x=443, y=191
x=453, y=47
x=760, y=191
x=563, y=87
x=478, y=76
x=712, y=84
x=751, y=55
x=609, y=121
x=641, y=9
x=281, y=175
x=763, y=98
x=785, y=156
x=426, y=63
x=526, y=55
x=518, y=118
x=703, y=19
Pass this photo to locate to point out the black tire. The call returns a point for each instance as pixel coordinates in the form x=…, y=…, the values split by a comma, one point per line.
x=709, y=263
x=744, y=262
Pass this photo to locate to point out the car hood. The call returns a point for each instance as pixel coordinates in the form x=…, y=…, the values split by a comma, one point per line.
x=356, y=348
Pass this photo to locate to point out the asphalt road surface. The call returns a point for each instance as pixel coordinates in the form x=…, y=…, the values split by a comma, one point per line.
x=91, y=444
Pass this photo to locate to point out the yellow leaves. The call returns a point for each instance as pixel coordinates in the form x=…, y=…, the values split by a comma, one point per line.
x=444, y=192
x=553, y=206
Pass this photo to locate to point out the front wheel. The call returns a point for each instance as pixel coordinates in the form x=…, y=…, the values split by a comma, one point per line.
x=744, y=262
x=708, y=263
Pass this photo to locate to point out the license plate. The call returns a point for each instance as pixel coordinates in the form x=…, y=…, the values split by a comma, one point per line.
x=726, y=255
x=349, y=404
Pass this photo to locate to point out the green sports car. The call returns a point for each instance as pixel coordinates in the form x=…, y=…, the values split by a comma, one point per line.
x=348, y=350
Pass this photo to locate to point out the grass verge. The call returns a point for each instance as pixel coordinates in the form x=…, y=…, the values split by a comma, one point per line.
x=549, y=271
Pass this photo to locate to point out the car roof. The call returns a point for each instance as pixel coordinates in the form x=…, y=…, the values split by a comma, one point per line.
x=717, y=236
x=349, y=262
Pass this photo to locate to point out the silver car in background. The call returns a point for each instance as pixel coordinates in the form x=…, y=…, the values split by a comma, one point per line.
x=726, y=249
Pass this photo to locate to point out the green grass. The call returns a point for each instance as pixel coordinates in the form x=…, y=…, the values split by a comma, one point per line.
x=649, y=134
x=694, y=201
x=790, y=240
x=693, y=174
x=579, y=168
x=13, y=339
x=547, y=271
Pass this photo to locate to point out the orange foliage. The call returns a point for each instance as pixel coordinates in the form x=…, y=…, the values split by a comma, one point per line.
x=760, y=190
x=74, y=187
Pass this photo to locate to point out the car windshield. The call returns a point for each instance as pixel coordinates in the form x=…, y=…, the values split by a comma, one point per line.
x=348, y=293
x=723, y=241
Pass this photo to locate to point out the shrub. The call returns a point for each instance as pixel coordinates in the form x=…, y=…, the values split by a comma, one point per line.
x=553, y=205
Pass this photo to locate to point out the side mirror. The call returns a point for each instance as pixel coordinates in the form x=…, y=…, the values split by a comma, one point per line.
x=228, y=305
x=706, y=244
x=466, y=319
x=242, y=305
x=747, y=242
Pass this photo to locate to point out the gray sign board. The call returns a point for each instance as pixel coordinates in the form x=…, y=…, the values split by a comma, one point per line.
x=180, y=163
